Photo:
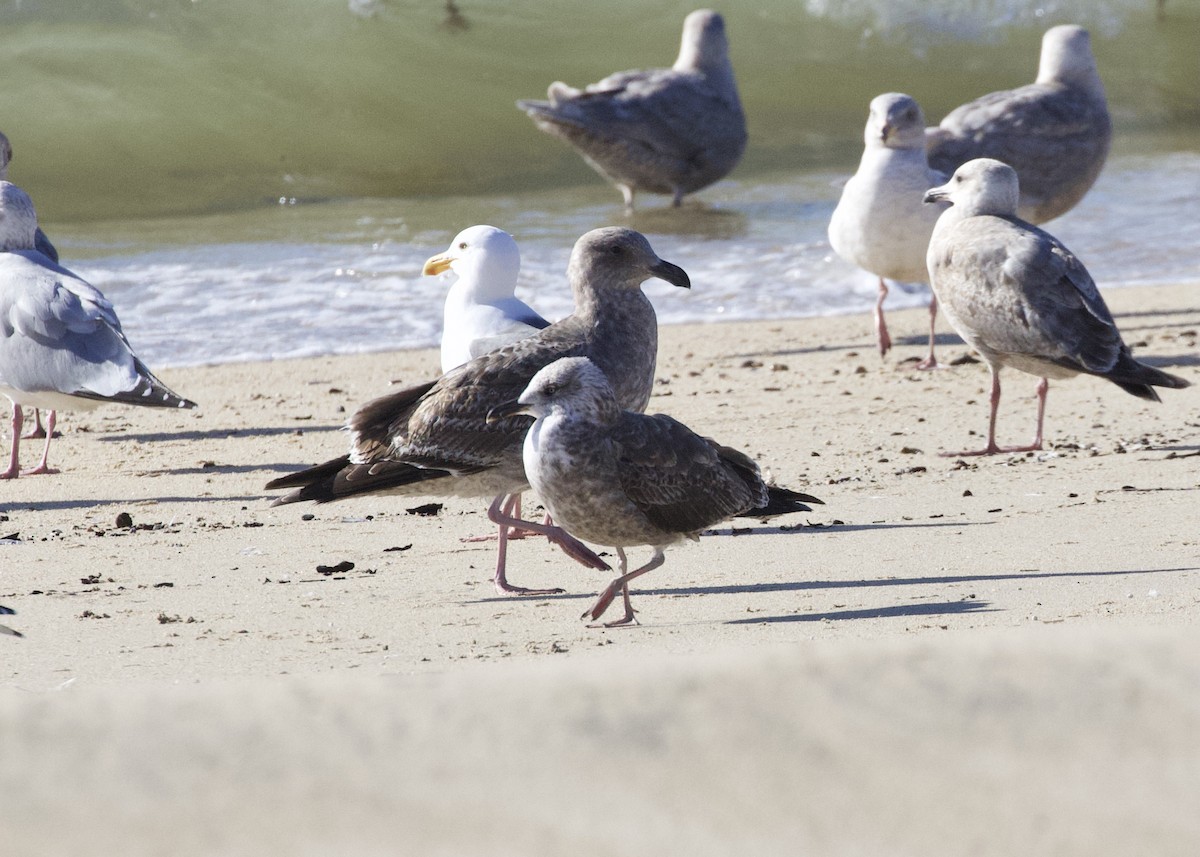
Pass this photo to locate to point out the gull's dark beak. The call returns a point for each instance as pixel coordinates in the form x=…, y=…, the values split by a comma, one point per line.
x=673, y=274
x=936, y=194
x=503, y=412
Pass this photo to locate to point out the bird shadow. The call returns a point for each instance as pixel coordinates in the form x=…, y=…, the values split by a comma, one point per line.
x=1172, y=360
x=216, y=434
x=93, y=502
x=944, y=608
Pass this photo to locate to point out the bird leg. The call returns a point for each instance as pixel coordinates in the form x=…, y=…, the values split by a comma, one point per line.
x=14, y=460
x=37, y=430
x=43, y=466
x=992, y=448
x=570, y=545
x=503, y=517
x=881, y=331
x=621, y=584
x=930, y=361
x=514, y=533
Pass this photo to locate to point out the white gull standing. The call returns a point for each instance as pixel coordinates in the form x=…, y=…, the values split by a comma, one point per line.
x=880, y=223
x=1055, y=132
x=619, y=478
x=61, y=344
x=482, y=312
x=669, y=131
x=435, y=438
x=1022, y=299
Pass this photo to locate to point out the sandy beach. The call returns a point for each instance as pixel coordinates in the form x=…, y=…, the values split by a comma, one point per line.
x=954, y=655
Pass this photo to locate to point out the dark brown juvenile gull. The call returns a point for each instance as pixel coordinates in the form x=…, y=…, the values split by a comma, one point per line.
x=880, y=224
x=1055, y=132
x=1020, y=298
x=436, y=438
x=670, y=131
x=61, y=345
x=619, y=478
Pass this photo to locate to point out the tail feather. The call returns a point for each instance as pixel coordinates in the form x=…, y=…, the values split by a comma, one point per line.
x=1140, y=380
x=782, y=501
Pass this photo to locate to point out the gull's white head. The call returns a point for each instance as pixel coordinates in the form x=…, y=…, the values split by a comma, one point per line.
x=895, y=122
x=1067, y=59
x=704, y=46
x=979, y=187
x=18, y=220
x=484, y=257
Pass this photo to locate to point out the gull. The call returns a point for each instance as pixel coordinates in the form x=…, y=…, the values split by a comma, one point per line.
x=1022, y=299
x=619, y=478
x=435, y=437
x=61, y=344
x=880, y=223
x=482, y=312
x=669, y=131
x=41, y=242
x=1055, y=132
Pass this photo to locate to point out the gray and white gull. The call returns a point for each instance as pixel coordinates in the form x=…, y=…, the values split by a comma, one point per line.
x=1022, y=299
x=436, y=439
x=880, y=223
x=482, y=312
x=61, y=344
x=1055, y=132
x=619, y=478
x=668, y=131
x=40, y=242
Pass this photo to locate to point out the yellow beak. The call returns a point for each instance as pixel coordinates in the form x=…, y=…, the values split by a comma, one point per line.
x=437, y=264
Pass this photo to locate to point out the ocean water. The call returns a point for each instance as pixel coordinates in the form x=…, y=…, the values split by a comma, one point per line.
x=264, y=180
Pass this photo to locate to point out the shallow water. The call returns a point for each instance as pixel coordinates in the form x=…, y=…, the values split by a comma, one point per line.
x=248, y=181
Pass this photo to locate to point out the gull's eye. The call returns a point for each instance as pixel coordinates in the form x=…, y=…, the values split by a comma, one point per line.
x=462, y=245
x=549, y=389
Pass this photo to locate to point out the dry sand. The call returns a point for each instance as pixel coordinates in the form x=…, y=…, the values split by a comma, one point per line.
x=984, y=656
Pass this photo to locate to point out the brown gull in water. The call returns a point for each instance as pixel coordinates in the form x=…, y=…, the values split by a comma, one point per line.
x=619, y=478
x=670, y=131
x=1055, y=132
x=1020, y=298
x=880, y=223
x=61, y=345
x=436, y=438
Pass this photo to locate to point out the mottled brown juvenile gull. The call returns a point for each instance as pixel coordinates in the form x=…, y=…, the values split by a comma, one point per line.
x=880, y=223
x=436, y=438
x=670, y=131
x=1055, y=132
x=620, y=478
x=61, y=345
x=482, y=312
x=1022, y=299
x=40, y=242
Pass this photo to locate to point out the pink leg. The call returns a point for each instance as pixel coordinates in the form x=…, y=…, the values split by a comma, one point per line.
x=501, y=512
x=570, y=545
x=930, y=361
x=621, y=584
x=881, y=331
x=37, y=430
x=14, y=460
x=43, y=466
x=992, y=448
x=514, y=533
